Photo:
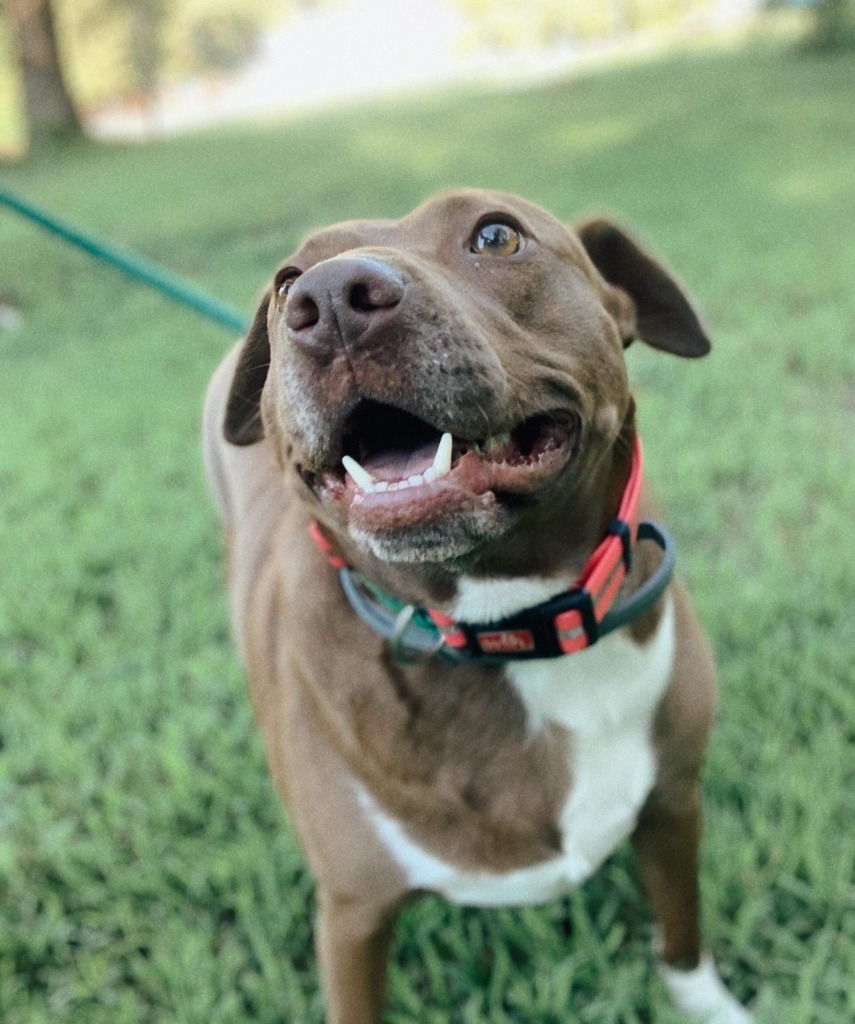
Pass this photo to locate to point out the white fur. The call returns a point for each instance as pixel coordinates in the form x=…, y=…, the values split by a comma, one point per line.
x=606, y=696
x=701, y=994
x=491, y=600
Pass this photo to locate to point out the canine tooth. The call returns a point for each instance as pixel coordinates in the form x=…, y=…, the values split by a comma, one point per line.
x=360, y=476
x=442, y=459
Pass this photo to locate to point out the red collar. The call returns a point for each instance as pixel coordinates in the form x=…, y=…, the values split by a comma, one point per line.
x=565, y=624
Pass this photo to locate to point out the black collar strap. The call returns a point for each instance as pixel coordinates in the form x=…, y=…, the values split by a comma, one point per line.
x=564, y=624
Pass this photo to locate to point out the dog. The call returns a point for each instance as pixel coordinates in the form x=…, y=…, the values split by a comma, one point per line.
x=471, y=667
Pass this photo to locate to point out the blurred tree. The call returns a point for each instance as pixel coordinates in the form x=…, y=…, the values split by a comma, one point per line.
x=223, y=43
x=834, y=25
x=132, y=48
x=830, y=26
x=511, y=24
x=48, y=109
x=144, y=29
x=99, y=50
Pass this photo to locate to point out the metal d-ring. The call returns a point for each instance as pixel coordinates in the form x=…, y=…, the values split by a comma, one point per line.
x=400, y=651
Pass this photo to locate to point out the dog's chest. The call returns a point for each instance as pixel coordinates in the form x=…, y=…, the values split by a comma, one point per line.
x=606, y=698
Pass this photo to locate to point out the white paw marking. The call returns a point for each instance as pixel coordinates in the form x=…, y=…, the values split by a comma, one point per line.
x=701, y=994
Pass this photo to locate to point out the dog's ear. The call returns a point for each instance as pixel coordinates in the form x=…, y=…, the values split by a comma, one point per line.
x=658, y=312
x=242, y=424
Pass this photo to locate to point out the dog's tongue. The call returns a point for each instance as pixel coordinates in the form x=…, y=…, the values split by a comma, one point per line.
x=395, y=465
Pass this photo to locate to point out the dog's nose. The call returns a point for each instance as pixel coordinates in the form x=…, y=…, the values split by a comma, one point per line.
x=340, y=301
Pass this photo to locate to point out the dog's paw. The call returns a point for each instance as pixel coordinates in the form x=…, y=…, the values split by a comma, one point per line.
x=701, y=994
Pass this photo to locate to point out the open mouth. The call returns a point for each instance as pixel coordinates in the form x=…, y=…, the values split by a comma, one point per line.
x=397, y=469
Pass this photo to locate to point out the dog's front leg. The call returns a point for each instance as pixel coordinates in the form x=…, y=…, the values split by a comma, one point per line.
x=353, y=937
x=666, y=842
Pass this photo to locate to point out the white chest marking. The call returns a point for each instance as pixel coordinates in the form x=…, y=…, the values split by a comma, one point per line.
x=606, y=697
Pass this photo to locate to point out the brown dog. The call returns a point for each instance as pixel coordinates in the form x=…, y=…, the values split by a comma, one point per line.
x=504, y=684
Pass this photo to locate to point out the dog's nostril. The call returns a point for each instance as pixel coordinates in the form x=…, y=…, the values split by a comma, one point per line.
x=302, y=312
x=360, y=298
x=378, y=293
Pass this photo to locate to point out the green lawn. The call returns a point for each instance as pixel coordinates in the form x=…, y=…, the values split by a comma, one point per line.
x=147, y=872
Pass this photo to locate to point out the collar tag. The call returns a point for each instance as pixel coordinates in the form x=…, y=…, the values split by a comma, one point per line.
x=505, y=641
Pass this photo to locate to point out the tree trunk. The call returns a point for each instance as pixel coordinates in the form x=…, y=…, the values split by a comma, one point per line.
x=49, y=112
x=834, y=25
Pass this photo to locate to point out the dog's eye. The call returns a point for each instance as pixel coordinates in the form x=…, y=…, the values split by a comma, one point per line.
x=497, y=239
x=283, y=283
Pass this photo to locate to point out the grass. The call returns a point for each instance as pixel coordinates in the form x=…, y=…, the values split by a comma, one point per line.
x=147, y=873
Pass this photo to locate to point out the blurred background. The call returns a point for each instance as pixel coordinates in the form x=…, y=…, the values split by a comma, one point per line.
x=142, y=68
x=147, y=870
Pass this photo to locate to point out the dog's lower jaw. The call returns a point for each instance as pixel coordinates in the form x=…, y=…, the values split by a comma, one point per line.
x=701, y=995
x=392, y=550
x=431, y=543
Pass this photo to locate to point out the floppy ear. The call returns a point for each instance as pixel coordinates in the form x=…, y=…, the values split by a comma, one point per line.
x=658, y=312
x=242, y=424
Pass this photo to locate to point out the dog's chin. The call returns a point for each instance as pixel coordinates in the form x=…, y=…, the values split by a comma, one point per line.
x=445, y=520
x=428, y=544
x=437, y=523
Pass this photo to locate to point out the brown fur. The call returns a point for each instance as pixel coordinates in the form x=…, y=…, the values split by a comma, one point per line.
x=444, y=749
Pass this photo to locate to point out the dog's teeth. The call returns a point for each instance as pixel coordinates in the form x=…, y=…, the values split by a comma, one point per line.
x=442, y=460
x=360, y=476
x=368, y=485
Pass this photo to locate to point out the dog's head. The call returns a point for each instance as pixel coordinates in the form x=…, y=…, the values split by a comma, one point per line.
x=469, y=358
